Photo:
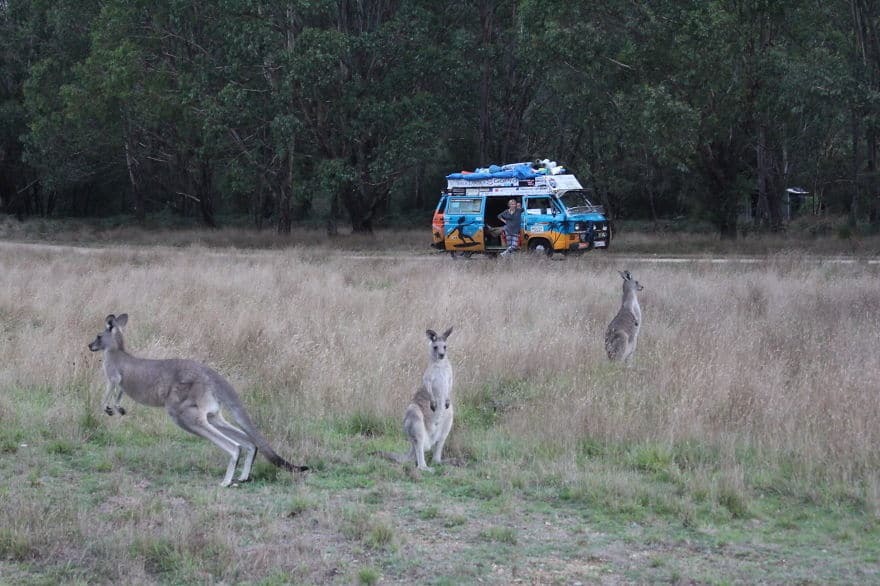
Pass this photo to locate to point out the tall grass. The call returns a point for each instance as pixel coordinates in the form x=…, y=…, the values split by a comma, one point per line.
x=772, y=366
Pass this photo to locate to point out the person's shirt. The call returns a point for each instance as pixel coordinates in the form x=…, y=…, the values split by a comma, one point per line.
x=512, y=221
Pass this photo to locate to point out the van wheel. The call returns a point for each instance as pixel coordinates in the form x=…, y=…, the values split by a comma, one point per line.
x=460, y=253
x=540, y=246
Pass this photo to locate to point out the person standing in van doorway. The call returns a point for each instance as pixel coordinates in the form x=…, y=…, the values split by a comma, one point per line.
x=512, y=218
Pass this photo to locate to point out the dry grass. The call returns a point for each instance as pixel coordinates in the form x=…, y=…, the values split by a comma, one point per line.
x=781, y=357
x=746, y=376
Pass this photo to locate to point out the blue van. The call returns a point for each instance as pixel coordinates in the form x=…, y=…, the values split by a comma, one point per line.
x=558, y=215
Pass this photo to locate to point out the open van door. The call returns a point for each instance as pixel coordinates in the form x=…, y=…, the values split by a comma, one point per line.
x=463, y=224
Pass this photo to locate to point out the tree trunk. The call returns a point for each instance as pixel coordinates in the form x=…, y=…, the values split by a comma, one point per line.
x=856, y=167
x=359, y=203
x=332, y=224
x=650, y=189
x=873, y=191
x=487, y=10
x=137, y=194
x=720, y=165
x=284, y=223
x=285, y=198
x=206, y=194
x=763, y=172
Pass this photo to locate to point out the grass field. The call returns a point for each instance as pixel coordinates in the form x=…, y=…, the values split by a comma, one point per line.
x=740, y=447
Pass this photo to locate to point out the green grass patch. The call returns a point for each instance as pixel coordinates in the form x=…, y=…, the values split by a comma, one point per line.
x=298, y=504
x=367, y=425
x=61, y=447
x=362, y=525
x=17, y=546
x=486, y=405
x=161, y=556
x=368, y=576
x=529, y=503
x=500, y=535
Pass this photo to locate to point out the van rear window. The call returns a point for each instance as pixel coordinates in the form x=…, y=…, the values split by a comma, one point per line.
x=464, y=205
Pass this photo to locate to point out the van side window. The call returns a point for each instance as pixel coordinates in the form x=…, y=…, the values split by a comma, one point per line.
x=539, y=205
x=465, y=205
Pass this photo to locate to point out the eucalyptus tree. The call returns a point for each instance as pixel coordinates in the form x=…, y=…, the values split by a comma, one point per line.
x=39, y=44
x=370, y=79
x=865, y=57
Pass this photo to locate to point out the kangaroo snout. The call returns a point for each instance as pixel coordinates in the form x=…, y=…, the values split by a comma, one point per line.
x=94, y=345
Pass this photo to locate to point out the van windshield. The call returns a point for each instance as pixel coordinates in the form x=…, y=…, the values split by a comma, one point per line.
x=577, y=201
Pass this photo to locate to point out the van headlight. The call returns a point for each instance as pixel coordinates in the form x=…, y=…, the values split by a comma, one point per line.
x=580, y=226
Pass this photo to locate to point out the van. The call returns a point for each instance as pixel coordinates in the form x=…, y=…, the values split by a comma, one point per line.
x=558, y=215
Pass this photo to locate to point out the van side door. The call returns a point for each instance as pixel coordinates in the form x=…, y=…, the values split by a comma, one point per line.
x=463, y=223
x=539, y=219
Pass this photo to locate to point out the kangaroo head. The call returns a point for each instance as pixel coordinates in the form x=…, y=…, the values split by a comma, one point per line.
x=630, y=284
x=437, y=344
x=111, y=337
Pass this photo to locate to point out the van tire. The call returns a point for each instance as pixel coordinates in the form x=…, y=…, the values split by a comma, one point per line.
x=539, y=245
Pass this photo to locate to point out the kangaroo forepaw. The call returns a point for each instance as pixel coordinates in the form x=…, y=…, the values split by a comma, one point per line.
x=120, y=410
x=433, y=406
x=108, y=410
x=447, y=403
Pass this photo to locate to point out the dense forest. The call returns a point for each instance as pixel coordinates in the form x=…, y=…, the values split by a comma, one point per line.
x=353, y=111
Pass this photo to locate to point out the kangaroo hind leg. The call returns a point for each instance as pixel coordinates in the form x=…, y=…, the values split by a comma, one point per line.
x=443, y=433
x=193, y=421
x=419, y=445
x=242, y=438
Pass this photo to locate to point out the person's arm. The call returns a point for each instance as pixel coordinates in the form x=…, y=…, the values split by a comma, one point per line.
x=501, y=216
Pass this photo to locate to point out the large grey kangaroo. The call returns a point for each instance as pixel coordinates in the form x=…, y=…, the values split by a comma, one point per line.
x=428, y=418
x=623, y=331
x=192, y=395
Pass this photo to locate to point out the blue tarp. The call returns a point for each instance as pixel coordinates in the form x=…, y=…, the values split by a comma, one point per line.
x=523, y=171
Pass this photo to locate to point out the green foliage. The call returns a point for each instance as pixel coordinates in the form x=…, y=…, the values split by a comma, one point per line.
x=323, y=111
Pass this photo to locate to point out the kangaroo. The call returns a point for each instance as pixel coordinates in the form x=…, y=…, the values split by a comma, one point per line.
x=623, y=331
x=192, y=395
x=428, y=418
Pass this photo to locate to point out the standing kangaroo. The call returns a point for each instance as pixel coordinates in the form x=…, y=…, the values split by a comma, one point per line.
x=192, y=395
x=623, y=331
x=428, y=418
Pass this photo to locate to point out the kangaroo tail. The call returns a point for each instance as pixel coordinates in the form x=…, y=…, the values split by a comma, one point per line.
x=232, y=402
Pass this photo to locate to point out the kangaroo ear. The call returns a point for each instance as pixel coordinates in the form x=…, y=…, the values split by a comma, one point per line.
x=446, y=333
x=622, y=275
x=120, y=321
x=432, y=335
x=108, y=321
